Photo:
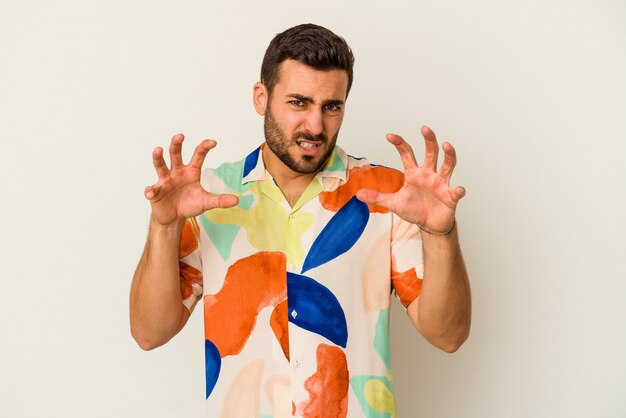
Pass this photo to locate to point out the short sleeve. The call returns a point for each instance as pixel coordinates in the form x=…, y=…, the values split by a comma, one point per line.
x=407, y=260
x=190, y=264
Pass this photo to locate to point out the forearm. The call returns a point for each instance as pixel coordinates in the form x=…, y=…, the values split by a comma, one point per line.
x=156, y=309
x=442, y=312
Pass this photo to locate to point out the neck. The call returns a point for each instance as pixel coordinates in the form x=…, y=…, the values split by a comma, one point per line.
x=290, y=182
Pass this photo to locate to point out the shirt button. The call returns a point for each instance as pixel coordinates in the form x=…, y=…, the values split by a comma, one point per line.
x=292, y=215
x=294, y=314
x=292, y=266
x=296, y=364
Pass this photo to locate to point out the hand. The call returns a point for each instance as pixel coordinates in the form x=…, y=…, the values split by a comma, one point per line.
x=178, y=194
x=426, y=198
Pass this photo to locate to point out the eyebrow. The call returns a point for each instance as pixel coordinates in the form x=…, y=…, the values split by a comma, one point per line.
x=310, y=100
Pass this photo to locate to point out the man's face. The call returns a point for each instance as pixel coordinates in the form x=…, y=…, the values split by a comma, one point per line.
x=303, y=116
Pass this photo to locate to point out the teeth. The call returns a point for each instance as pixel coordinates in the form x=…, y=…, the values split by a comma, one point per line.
x=307, y=145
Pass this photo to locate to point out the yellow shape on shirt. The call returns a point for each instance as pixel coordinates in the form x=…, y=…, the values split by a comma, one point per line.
x=269, y=225
x=379, y=397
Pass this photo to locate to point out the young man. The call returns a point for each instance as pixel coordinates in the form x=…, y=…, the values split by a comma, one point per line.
x=296, y=249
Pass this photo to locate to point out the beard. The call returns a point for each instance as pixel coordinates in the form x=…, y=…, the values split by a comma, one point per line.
x=278, y=142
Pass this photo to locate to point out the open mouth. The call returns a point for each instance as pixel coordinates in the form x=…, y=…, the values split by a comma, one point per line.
x=308, y=145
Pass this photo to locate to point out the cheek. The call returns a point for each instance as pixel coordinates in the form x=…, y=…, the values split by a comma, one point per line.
x=292, y=122
x=332, y=125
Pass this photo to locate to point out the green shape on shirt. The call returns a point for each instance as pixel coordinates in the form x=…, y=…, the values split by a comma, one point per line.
x=230, y=174
x=382, y=345
x=245, y=201
x=375, y=395
x=222, y=236
x=335, y=163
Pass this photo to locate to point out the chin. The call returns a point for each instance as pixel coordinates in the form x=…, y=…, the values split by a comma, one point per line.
x=308, y=164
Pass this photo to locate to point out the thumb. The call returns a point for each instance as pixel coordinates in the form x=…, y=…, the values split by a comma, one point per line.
x=373, y=197
x=212, y=201
x=227, y=200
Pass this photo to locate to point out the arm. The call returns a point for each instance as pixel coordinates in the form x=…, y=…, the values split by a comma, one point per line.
x=156, y=309
x=157, y=312
x=442, y=312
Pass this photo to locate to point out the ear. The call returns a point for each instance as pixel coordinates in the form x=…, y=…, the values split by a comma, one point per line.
x=259, y=97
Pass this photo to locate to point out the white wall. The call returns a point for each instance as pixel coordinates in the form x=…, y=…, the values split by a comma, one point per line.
x=532, y=94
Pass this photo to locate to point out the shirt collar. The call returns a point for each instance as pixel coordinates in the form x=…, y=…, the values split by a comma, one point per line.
x=254, y=167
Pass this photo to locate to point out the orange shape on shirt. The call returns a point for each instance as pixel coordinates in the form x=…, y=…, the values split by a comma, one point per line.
x=188, y=238
x=251, y=284
x=280, y=325
x=406, y=284
x=190, y=276
x=328, y=386
x=382, y=179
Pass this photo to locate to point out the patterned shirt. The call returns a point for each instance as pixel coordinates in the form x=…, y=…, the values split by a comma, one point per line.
x=296, y=299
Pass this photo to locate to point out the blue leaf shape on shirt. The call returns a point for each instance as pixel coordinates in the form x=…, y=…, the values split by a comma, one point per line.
x=339, y=235
x=251, y=161
x=314, y=307
x=213, y=364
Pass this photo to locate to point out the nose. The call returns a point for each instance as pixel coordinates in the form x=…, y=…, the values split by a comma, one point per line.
x=314, y=122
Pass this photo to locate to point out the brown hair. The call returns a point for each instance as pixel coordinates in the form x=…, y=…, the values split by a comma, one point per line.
x=309, y=44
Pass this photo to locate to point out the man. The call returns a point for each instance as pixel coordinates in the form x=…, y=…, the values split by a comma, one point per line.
x=296, y=249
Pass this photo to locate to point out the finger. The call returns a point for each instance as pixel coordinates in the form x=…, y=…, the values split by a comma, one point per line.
x=176, y=148
x=199, y=154
x=404, y=149
x=212, y=201
x=432, y=148
x=449, y=161
x=150, y=192
x=227, y=200
x=458, y=193
x=373, y=197
x=159, y=163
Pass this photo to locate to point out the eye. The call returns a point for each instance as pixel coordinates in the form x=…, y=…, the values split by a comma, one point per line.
x=296, y=102
x=332, y=107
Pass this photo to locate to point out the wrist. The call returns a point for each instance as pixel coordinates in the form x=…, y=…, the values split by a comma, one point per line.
x=437, y=233
x=174, y=226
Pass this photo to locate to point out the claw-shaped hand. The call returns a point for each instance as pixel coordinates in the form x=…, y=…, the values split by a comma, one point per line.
x=178, y=193
x=426, y=198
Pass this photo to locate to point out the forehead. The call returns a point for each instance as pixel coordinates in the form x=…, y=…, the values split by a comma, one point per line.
x=295, y=77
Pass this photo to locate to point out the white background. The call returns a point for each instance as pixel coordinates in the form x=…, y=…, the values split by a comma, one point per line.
x=531, y=93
